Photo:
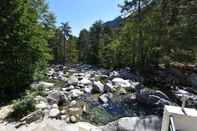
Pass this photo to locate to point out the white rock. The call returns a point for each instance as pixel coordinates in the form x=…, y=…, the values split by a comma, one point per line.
x=85, y=126
x=106, y=97
x=41, y=83
x=85, y=81
x=54, y=112
x=122, y=91
x=88, y=89
x=63, y=117
x=73, y=119
x=121, y=82
x=95, y=129
x=103, y=98
x=76, y=93
x=54, y=106
x=134, y=84
x=46, y=84
x=114, y=74
x=64, y=89
x=42, y=105
x=73, y=103
x=62, y=112
x=99, y=86
x=110, y=87
x=51, y=72
x=72, y=80
x=5, y=111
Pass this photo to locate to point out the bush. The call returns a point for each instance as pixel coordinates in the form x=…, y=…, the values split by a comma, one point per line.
x=23, y=107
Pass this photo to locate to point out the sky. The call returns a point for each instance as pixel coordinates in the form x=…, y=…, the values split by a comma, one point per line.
x=83, y=13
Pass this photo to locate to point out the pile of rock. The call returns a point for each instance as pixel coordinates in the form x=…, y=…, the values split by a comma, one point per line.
x=84, y=81
x=148, y=123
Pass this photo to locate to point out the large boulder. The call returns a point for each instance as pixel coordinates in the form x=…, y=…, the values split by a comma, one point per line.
x=42, y=84
x=193, y=80
x=148, y=123
x=98, y=87
x=5, y=111
x=119, y=82
x=56, y=97
x=86, y=126
x=191, y=99
x=128, y=73
x=152, y=97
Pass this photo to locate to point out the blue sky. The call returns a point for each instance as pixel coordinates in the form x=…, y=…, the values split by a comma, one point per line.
x=83, y=13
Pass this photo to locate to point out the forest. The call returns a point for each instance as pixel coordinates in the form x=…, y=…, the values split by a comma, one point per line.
x=149, y=35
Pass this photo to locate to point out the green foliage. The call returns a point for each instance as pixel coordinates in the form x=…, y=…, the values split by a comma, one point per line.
x=23, y=106
x=109, y=55
x=72, y=50
x=57, y=46
x=23, y=46
x=179, y=30
x=154, y=33
x=95, y=39
x=83, y=43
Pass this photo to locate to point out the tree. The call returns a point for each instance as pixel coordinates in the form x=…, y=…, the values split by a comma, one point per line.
x=83, y=43
x=45, y=17
x=66, y=30
x=57, y=46
x=180, y=27
x=23, y=47
x=134, y=7
x=73, y=50
x=95, y=38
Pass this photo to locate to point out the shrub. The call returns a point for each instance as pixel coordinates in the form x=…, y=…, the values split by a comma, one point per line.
x=23, y=106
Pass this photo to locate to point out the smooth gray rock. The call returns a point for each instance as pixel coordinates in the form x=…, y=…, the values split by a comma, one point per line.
x=148, y=123
x=55, y=97
x=152, y=97
x=193, y=80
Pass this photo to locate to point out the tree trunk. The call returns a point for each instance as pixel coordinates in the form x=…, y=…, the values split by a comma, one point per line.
x=140, y=44
x=64, y=61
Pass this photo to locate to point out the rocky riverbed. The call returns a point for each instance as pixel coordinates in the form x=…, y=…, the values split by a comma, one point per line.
x=84, y=93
